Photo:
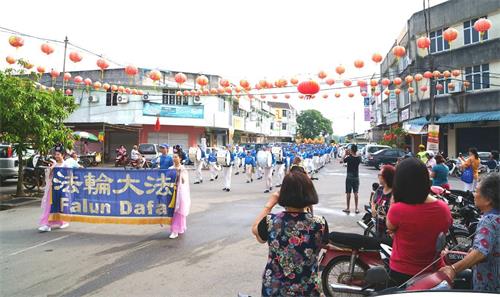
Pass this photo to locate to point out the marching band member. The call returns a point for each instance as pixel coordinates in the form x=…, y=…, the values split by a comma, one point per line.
x=258, y=171
x=268, y=172
x=212, y=165
x=237, y=160
x=227, y=171
x=242, y=155
x=250, y=166
x=198, y=165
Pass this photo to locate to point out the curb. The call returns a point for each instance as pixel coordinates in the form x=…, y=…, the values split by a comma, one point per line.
x=18, y=201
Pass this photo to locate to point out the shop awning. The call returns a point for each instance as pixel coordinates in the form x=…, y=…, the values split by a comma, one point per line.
x=415, y=129
x=469, y=117
x=418, y=121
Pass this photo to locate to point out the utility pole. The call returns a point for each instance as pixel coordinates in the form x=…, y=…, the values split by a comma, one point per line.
x=432, y=103
x=64, y=63
x=353, y=124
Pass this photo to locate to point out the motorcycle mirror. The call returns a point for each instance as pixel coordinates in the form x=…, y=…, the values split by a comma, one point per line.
x=440, y=242
x=376, y=275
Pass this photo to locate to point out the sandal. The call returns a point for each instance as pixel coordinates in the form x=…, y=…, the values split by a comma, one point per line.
x=357, y=210
x=346, y=210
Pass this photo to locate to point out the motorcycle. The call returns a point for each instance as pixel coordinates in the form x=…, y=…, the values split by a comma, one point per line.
x=34, y=172
x=121, y=158
x=454, y=167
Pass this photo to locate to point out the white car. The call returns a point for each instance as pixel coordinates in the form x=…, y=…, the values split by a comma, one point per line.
x=370, y=149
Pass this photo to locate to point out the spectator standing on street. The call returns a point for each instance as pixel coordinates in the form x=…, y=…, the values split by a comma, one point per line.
x=382, y=199
x=352, y=180
x=472, y=163
x=164, y=161
x=431, y=162
x=439, y=173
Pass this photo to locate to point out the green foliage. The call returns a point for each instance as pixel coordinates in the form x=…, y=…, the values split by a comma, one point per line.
x=312, y=124
x=31, y=116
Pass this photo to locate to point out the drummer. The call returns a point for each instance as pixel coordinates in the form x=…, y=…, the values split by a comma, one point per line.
x=212, y=165
x=227, y=171
x=249, y=166
x=198, y=165
x=258, y=170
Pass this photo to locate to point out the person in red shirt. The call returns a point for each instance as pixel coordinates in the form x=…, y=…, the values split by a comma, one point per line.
x=415, y=219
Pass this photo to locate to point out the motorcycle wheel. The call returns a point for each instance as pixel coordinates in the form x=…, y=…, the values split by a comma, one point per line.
x=86, y=163
x=29, y=183
x=337, y=272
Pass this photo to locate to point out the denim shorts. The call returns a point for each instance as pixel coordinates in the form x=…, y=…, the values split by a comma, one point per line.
x=351, y=184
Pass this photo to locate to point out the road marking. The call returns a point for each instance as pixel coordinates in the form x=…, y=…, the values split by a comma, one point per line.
x=39, y=245
x=333, y=211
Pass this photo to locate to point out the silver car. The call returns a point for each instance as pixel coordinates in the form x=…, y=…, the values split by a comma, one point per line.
x=9, y=163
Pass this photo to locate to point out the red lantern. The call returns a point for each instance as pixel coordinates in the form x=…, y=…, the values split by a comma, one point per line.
x=28, y=65
x=301, y=96
x=131, y=70
x=451, y=86
x=450, y=34
x=466, y=84
x=78, y=79
x=16, y=41
x=238, y=89
x=377, y=58
x=140, y=92
x=308, y=87
x=446, y=73
x=269, y=85
x=75, y=57
x=423, y=88
x=350, y=95
x=67, y=92
x=359, y=64
x=202, y=80
x=418, y=77
x=482, y=25
x=376, y=93
x=385, y=82
x=180, y=78
x=436, y=74
x=362, y=83
x=439, y=87
x=373, y=83
x=262, y=96
x=364, y=93
x=455, y=73
x=337, y=95
x=11, y=60
x=54, y=73
x=155, y=75
x=244, y=84
x=87, y=81
x=224, y=83
x=423, y=42
x=397, y=81
x=40, y=69
x=97, y=86
x=397, y=91
x=178, y=93
x=399, y=51
x=347, y=83
x=192, y=93
x=134, y=91
x=67, y=76
x=114, y=88
x=47, y=49
x=340, y=69
x=287, y=96
x=330, y=81
x=387, y=92
x=325, y=96
x=294, y=81
x=428, y=74
x=102, y=64
x=213, y=91
x=322, y=74
x=186, y=93
x=275, y=96
x=228, y=90
x=220, y=90
x=250, y=96
x=106, y=86
x=263, y=83
x=408, y=79
x=206, y=92
x=411, y=90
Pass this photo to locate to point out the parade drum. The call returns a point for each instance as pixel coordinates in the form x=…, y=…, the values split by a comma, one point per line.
x=316, y=161
x=264, y=159
x=224, y=158
x=194, y=154
x=278, y=153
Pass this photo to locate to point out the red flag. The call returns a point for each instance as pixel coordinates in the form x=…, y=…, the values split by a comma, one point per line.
x=157, y=125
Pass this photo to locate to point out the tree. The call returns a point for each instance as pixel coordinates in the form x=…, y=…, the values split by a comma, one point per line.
x=312, y=124
x=31, y=116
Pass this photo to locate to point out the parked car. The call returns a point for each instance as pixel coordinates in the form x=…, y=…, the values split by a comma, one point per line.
x=150, y=151
x=370, y=149
x=385, y=156
x=9, y=164
x=484, y=156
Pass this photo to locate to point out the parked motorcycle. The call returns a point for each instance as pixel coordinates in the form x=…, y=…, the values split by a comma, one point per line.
x=34, y=172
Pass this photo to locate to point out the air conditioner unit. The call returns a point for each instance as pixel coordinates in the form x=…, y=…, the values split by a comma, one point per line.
x=457, y=89
x=197, y=100
x=122, y=99
x=145, y=97
x=93, y=99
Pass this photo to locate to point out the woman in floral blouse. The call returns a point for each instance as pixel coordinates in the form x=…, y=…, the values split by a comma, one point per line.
x=294, y=236
x=485, y=254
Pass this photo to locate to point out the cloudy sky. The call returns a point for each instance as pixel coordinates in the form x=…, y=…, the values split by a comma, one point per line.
x=236, y=39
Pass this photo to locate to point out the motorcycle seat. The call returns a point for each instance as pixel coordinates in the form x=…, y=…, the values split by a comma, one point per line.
x=354, y=241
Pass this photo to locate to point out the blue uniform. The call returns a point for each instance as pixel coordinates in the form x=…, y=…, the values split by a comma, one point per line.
x=166, y=161
x=249, y=160
x=212, y=157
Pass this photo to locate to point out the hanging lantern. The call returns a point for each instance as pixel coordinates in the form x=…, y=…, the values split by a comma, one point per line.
x=202, y=80
x=397, y=81
x=362, y=83
x=114, y=88
x=250, y=96
x=87, y=81
x=451, y=86
x=340, y=69
x=47, y=49
x=418, y=77
x=385, y=82
x=376, y=93
x=301, y=96
x=347, y=83
x=397, y=91
x=131, y=71
x=213, y=91
x=269, y=85
x=350, y=95
x=423, y=88
x=40, y=69
x=423, y=42
x=275, y=96
x=206, y=92
x=482, y=25
x=97, y=86
x=308, y=87
x=54, y=74
x=428, y=74
x=224, y=83
x=180, y=78
x=238, y=89
x=134, y=91
x=446, y=73
x=106, y=86
x=287, y=96
x=102, y=64
x=408, y=79
x=220, y=90
x=257, y=86
x=455, y=73
x=228, y=90
x=140, y=92
x=244, y=83
x=364, y=94
x=16, y=41
x=325, y=96
x=359, y=64
x=377, y=58
x=263, y=83
x=399, y=51
x=28, y=65
x=78, y=79
x=294, y=81
x=128, y=90
x=155, y=75
x=373, y=83
x=67, y=76
x=411, y=90
x=178, y=93
x=337, y=95
x=322, y=74
x=11, y=60
x=387, y=92
x=68, y=92
x=262, y=96
x=186, y=93
x=450, y=34
x=466, y=84
x=330, y=81
x=192, y=93
x=439, y=87
x=75, y=57
x=436, y=74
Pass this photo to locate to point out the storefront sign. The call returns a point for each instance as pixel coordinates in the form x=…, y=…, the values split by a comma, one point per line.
x=366, y=101
x=433, y=138
x=405, y=114
x=391, y=118
x=368, y=114
x=392, y=101
x=173, y=111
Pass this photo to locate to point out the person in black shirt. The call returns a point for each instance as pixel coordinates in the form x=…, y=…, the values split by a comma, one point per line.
x=352, y=179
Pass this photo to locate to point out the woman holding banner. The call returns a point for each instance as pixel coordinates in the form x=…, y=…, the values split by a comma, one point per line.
x=45, y=224
x=182, y=199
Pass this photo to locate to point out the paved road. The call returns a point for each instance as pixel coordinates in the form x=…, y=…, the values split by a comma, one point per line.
x=216, y=257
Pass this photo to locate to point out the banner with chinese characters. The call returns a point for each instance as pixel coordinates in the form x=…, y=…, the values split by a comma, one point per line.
x=433, y=138
x=114, y=196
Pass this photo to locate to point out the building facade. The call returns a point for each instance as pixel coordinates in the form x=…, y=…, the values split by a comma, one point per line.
x=466, y=107
x=284, y=124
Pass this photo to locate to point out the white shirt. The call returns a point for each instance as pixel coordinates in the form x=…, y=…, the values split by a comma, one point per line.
x=134, y=154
